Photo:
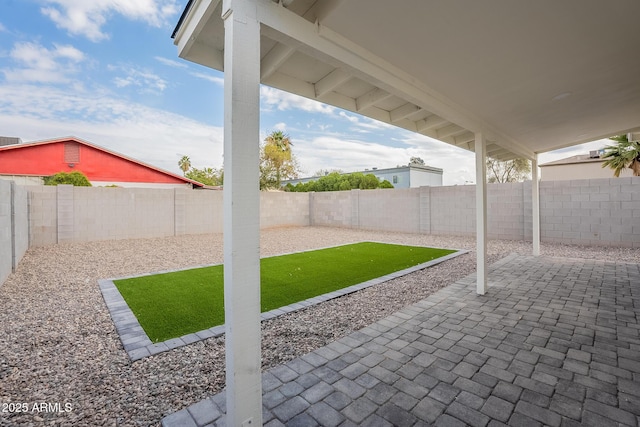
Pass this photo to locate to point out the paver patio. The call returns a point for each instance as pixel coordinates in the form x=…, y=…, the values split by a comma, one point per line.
x=556, y=341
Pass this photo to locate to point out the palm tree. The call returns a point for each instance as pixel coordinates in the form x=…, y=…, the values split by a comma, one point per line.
x=185, y=164
x=277, y=161
x=280, y=140
x=624, y=154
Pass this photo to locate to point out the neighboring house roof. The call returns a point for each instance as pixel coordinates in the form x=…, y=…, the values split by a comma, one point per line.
x=406, y=167
x=581, y=158
x=26, y=159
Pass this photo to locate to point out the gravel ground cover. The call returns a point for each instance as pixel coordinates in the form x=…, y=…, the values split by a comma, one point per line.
x=58, y=345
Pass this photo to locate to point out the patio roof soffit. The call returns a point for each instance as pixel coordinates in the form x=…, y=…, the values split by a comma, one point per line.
x=301, y=56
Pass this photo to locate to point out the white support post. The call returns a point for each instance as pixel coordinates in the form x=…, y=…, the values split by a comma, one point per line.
x=535, y=206
x=242, y=213
x=481, y=214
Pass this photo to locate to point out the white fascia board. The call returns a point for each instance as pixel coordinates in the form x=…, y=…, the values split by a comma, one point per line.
x=186, y=38
x=371, y=68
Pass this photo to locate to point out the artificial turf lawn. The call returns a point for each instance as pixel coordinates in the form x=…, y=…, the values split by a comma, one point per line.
x=170, y=305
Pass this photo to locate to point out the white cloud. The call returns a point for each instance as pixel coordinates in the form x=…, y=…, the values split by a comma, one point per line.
x=282, y=101
x=147, y=134
x=364, y=124
x=217, y=80
x=330, y=152
x=280, y=126
x=352, y=119
x=36, y=63
x=170, y=62
x=3, y=29
x=144, y=79
x=86, y=17
x=334, y=152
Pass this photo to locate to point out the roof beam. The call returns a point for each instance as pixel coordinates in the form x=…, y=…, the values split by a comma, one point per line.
x=291, y=85
x=330, y=82
x=450, y=130
x=370, y=98
x=403, y=111
x=378, y=114
x=465, y=138
x=306, y=89
x=430, y=122
x=332, y=48
x=496, y=151
x=274, y=59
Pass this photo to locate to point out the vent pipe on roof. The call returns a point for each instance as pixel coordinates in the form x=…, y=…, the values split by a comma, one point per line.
x=9, y=140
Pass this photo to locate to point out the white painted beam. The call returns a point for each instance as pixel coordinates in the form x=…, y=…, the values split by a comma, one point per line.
x=274, y=60
x=450, y=130
x=241, y=203
x=496, y=151
x=403, y=112
x=465, y=139
x=430, y=122
x=328, y=46
x=535, y=206
x=379, y=114
x=330, y=82
x=481, y=214
x=290, y=84
x=371, y=98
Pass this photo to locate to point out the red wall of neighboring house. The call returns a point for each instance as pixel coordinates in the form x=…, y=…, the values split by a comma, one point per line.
x=97, y=165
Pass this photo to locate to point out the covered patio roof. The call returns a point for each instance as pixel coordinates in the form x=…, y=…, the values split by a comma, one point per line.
x=531, y=76
x=501, y=78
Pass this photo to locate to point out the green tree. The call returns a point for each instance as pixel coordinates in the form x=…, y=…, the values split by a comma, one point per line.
x=341, y=182
x=416, y=161
x=323, y=172
x=515, y=170
x=623, y=154
x=75, y=178
x=277, y=162
x=185, y=164
x=207, y=176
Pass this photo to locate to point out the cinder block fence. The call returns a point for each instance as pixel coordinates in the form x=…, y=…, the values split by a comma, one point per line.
x=14, y=227
x=589, y=212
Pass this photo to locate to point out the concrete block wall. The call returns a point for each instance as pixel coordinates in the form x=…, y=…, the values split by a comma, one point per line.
x=105, y=213
x=597, y=211
x=20, y=223
x=505, y=210
x=392, y=210
x=81, y=214
x=202, y=212
x=43, y=215
x=6, y=248
x=588, y=212
x=331, y=209
x=14, y=231
x=452, y=210
x=284, y=209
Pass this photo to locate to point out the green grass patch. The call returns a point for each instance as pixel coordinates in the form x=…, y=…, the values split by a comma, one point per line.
x=170, y=305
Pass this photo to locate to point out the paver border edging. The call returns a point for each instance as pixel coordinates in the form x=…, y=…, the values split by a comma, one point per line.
x=138, y=345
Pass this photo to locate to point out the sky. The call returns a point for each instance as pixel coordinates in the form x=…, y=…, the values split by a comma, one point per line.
x=106, y=71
